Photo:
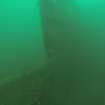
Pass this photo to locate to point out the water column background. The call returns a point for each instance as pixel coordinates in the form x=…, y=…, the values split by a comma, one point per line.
x=21, y=40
